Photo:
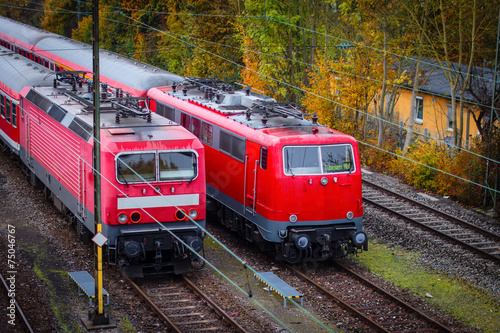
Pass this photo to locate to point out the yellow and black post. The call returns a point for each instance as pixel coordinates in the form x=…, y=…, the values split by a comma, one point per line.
x=99, y=317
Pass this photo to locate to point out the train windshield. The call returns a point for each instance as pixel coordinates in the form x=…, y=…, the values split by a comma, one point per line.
x=177, y=166
x=156, y=166
x=317, y=160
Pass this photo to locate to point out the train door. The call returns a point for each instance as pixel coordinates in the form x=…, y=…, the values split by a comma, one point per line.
x=252, y=160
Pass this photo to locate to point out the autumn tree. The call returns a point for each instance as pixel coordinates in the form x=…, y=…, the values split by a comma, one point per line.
x=23, y=11
x=456, y=33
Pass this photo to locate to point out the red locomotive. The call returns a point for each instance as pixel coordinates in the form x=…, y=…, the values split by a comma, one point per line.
x=286, y=183
x=153, y=180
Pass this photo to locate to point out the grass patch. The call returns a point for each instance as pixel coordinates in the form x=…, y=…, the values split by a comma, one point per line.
x=457, y=297
x=53, y=280
x=125, y=325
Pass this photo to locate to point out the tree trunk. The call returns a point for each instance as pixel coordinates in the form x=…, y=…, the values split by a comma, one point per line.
x=409, y=127
x=381, y=127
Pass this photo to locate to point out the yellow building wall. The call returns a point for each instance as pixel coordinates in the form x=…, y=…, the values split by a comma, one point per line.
x=435, y=119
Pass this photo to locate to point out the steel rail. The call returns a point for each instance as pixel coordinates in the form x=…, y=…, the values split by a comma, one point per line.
x=438, y=212
x=225, y=317
x=395, y=298
x=216, y=308
x=18, y=307
x=383, y=292
x=337, y=300
x=474, y=249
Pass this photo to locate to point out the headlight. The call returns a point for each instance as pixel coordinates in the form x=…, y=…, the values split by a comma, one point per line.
x=293, y=218
x=350, y=215
x=122, y=218
x=193, y=213
x=324, y=181
x=135, y=217
x=180, y=215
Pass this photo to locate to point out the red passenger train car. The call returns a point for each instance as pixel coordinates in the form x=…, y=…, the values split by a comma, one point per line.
x=58, y=53
x=153, y=179
x=286, y=183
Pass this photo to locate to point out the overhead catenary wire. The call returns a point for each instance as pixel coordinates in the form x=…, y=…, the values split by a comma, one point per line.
x=306, y=91
x=303, y=90
x=337, y=71
x=374, y=116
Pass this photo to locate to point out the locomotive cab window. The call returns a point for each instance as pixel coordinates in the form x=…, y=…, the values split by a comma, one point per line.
x=178, y=165
x=317, y=160
x=156, y=166
x=136, y=167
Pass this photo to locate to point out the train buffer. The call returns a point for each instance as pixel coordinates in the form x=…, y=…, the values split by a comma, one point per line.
x=281, y=287
x=86, y=285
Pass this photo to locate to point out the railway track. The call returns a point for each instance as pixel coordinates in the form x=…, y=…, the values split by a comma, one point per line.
x=184, y=307
x=376, y=309
x=465, y=234
x=18, y=310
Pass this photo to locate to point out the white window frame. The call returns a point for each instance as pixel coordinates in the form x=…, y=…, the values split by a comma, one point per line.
x=419, y=101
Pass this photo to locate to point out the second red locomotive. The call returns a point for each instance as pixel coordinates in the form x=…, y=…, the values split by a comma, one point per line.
x=286, y=183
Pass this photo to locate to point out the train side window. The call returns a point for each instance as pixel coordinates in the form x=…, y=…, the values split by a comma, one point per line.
x=185, y=120
x=14, y=115
x=51, y=66
x=196, y=127
x=56, y=112
x=80, y=128
x=8, y=110
x=225, y=142
x=232, y=145
x=2, y=106
x=207, y=133
x=238, y=148
x=39, y=100
x=165, y=111
x=263, y=158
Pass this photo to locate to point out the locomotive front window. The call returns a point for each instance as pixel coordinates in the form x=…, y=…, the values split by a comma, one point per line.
x=316, y=160
x=337, y=158
x=302, y=160
x=177, y=165
x=136, y=167
x=156, y=166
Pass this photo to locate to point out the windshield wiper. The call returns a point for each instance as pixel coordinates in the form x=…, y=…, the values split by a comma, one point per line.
x=121, y=174
x=288, y=163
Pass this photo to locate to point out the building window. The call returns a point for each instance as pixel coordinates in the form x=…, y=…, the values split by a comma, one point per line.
x=419, y=110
